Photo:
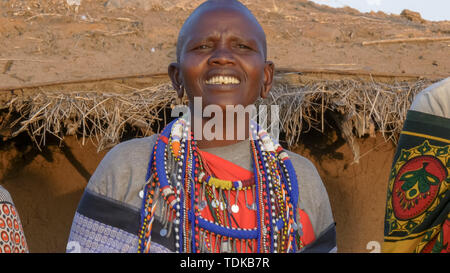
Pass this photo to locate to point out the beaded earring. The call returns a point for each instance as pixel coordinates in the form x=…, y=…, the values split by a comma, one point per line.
x=180, y=99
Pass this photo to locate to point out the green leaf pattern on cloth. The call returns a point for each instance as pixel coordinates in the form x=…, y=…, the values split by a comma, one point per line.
x=421, y=177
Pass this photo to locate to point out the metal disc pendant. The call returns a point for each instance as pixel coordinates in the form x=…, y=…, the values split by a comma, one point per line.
x=163, y=232
x=225, y=247
x=141, y=194
x=215, y=203
x=223, y=206
x=300, y=229
x=235, y=208
x=202, y=205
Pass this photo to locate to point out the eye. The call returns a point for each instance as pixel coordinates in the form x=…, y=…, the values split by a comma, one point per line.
x=202, y=47
x=242, y=46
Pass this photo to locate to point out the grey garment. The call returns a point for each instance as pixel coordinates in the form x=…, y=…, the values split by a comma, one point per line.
x=434, y=100
x=5, y=196
x=121, y=176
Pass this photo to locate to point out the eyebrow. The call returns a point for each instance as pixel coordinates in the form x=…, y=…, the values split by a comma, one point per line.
x=213, y=37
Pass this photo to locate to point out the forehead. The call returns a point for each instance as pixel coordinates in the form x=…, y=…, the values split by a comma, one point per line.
x=216, y=21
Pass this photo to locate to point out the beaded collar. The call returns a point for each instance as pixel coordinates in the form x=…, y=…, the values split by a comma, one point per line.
x=178, y=182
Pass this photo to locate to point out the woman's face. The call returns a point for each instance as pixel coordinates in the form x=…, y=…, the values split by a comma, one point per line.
x=222, y=59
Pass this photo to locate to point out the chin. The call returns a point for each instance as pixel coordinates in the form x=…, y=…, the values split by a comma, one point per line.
x=223, y=103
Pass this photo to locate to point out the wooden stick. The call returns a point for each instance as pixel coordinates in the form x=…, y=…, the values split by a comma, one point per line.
x=340, y=64
x=7, y=66
x=26, y=60
x=409, y=40
x=42, y=15
x=358, y=73
x=280, y=70
x=86, y=80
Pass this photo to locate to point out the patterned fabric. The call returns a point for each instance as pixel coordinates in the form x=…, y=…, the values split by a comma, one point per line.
x=91, y=236
x=88, y=235
x=418, y=208
x=157, y=248
x=12, y=238
x=4, y=195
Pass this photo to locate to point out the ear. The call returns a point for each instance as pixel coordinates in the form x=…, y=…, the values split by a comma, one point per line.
x=175, y=77
x=269, y=69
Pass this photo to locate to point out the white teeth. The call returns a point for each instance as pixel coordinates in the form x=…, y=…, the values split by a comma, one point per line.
x=223, y=80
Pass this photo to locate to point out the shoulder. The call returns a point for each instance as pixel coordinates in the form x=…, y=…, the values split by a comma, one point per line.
x=307, y=174
x=130, y=150
x=121, y=173
x=313, y=196
x=301, y=163
x=434, y=100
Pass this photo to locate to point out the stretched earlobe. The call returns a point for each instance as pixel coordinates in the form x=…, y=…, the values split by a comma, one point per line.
x=174, y=74
x=269, y=69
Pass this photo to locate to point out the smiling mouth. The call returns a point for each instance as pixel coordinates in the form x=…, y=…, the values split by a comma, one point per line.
x=223, y=80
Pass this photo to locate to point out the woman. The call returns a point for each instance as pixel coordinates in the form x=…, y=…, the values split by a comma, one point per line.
x=198, y=194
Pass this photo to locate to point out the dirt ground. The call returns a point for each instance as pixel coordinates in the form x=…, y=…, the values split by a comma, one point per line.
x=50, y=41
x=47, y=42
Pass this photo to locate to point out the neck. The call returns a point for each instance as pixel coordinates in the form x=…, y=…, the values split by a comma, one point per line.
x=232, y=131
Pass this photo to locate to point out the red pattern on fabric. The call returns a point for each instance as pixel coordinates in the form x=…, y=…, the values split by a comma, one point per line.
x=245, y=218
x=308, y=231
x=164, y=139
x=446, y=239
x=224, y=169
x=11, y=232
x=446, y=232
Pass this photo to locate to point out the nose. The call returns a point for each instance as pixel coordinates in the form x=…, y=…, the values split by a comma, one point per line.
x=221, y=56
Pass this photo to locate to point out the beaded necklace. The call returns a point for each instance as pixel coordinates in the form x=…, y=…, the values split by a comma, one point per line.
x=179, y=183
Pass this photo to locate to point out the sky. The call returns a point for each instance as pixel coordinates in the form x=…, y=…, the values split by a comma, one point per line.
x=433, y=10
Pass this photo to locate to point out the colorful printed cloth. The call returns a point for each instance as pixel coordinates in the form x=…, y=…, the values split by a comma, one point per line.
x=12, y=238
x=418, y=209
x=108, y=216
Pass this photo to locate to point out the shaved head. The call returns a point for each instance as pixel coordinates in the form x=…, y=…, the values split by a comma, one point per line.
x=212, y=5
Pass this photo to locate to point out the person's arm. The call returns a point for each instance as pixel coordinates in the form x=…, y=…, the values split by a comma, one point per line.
x=108, y=216
x=316, y=218
x=434, y=100
x=12, y=237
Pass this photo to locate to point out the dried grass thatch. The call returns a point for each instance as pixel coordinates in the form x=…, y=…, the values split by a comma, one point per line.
x=100, y=116
x=358, y=107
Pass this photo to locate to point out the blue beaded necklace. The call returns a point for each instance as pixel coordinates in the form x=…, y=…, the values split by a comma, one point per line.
x=276, y=195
